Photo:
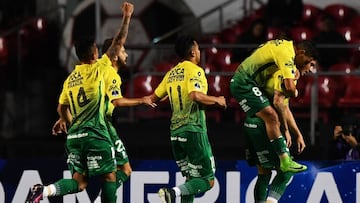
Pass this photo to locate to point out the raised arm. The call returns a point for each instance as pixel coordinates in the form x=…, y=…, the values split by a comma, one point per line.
x=121, y=35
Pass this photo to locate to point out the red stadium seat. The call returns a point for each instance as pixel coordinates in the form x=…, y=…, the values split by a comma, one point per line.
x=273, y=33
x=348, y=32
x=310, y=15
x=351, y=98
x=327, y=98
x=301, y=33
x=342, y=13
x=344, y=70
x=4, y=52
x=209, y=40
x=230, y=67
x=220, y=59
x=218, y=86
x=355, y=58
x=209, y=68
x=355, y=24
x=342, y=67
x=143, y=85
x=164, y=66
x=229, y=35
x=354, y=54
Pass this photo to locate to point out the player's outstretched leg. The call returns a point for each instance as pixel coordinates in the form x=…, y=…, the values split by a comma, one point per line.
x=35, y=194
x=167, y=195
x=288, y=165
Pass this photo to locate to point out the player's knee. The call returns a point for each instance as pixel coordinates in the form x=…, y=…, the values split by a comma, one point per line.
x=263, y=171
x=269, y=115
x=126, y=168
x=128, y=171
x=82, y=186
x=211, y=183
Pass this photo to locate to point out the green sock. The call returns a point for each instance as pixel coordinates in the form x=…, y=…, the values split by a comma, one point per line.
x=187, y=199
x=194, y=186
x=108, y=192
x=66, y=186
x=279, y=145
x=261, y=187
x=278, y=185
x=121, y=177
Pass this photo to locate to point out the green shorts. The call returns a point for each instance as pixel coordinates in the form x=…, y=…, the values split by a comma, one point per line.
x=248, y=94
x=193, y=155
x=120, y=151
x=259, y=150
x=89, y=155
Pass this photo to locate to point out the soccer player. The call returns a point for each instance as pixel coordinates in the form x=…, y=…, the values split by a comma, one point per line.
x=89, y=145
x=123, y=165
x=269, y=57
x=186, y=87
x=259, y=150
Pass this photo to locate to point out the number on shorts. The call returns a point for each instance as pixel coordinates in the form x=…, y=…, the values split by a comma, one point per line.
x=257, y=91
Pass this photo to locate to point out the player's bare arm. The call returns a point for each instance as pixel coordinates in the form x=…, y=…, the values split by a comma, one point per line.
x=290, y=88
x=295, y=130
x=120, y=37
x=146, y=100
x=60, y=126
x=63, y=113
x=207, y=99
x=280, y=108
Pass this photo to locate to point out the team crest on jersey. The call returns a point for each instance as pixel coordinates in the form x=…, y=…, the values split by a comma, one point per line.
x=115, y=93
x=197, y=85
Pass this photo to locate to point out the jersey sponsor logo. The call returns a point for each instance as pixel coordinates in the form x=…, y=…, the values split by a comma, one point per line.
x=93, y=161
x=244, y=106
x=180, y=139
x=262, y=156
x=75, y=79
x=250, y=125
x=176, y=75
x=80, y=135
x=115, y=91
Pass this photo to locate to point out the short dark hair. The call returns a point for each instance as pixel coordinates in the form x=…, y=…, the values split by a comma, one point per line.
x=183, y=46
x=84, y=48
x=106, y=45
x=310, y=49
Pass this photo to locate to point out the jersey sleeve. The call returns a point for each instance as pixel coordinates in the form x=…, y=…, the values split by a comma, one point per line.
x=111, y=78
x=284, y=59
x=197, y=81
x=112, y=83
x=160, y=90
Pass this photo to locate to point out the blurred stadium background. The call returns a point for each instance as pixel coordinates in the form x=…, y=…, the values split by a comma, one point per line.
x=36, y=54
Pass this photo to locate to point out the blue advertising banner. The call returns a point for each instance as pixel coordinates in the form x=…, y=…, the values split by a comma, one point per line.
x=323, y=182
